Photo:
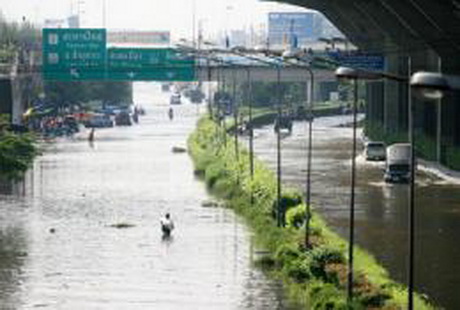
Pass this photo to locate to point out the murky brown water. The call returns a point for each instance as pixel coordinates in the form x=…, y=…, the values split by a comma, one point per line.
x=128, y=176
x=381, y=209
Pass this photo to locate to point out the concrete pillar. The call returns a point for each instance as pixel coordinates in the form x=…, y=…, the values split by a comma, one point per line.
x=374, y=100
x=17, y=105
x=392, y=99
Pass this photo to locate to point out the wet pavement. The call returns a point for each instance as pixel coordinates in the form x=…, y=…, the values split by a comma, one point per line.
x=59, y=249
x=381, y=209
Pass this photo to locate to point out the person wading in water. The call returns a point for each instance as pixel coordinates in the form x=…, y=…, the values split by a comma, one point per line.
x=167, y=225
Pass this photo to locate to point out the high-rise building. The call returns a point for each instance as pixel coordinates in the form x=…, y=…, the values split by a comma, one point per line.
x=299, y=28
x=73, y=21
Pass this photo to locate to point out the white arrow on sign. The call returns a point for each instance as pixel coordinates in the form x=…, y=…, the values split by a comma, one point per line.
x=74, y=73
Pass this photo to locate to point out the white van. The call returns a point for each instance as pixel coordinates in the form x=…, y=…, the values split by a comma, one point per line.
x=375, y=150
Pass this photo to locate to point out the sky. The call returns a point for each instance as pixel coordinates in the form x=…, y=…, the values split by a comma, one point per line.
x=173, y=15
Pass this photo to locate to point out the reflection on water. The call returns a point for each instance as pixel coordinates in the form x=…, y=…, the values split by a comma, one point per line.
x=13, y=253
x=381, y=209
x=61, y=247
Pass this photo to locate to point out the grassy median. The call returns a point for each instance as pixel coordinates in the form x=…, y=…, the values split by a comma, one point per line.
x=315, y=277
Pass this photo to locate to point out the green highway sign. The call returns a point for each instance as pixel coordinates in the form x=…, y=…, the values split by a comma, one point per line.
x=81, y=54
x=74, y=54
x=149, y=64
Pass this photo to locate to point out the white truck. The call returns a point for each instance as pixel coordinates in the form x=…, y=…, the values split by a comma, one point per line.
x=397, y=168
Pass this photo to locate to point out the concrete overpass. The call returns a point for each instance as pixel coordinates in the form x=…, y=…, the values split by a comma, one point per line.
x=262, y=74
x=426, y=32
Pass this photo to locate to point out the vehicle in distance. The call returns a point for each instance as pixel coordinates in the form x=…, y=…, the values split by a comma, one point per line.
x=165, y=87
x=375, y=150
x=123, y=119
x=99, y=121
x=397, y=168
x=283, y=122
x=175, y=99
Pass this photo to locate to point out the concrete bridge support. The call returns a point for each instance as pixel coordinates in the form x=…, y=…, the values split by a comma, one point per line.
x=18, y=105
x=375, y=102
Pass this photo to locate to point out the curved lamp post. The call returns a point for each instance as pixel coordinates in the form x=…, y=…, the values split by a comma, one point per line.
x=427, y=85
x=431, y=86
x=240, y=51
x=296, y=54
x=344, y=73
x=347, y=73
x=251, y=129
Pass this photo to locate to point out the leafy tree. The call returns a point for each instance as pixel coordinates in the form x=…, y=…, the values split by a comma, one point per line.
x=62, y=93
x=265, y=94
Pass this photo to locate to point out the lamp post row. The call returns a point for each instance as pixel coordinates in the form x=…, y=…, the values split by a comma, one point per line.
x=280, y=212
x=430, y=84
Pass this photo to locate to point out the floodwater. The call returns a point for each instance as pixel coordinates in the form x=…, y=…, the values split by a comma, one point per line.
x=381, y=209
x=60, y=250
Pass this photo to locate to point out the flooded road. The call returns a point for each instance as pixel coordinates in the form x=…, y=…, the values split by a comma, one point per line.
x=59, y=248
x=381, y=209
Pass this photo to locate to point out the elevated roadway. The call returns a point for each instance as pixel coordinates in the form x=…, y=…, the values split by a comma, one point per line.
x=413, y=35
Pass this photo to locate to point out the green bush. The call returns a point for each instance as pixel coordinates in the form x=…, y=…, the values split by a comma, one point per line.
x=327, y=297
x=17, y=153
x=295, y=217
x=286, y=253
x=288, y=199
x=299, y=269
x=321, y=257
x=374, y=298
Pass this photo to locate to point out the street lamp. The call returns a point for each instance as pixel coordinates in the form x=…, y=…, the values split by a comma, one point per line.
x=426, y=85
x=344, y=73
x=278, y=147
x=251, y=129
x=429, y=85
x=240, y=52
x=295, y=55
x=235, y=112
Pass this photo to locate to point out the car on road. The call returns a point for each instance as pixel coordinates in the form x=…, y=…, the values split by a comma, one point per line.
x=283, y=122
x=99, y=121
x=175, y=99
x=123, y=118
x=375, y=150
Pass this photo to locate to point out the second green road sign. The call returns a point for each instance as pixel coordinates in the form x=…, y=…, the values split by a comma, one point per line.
x=148, y=64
